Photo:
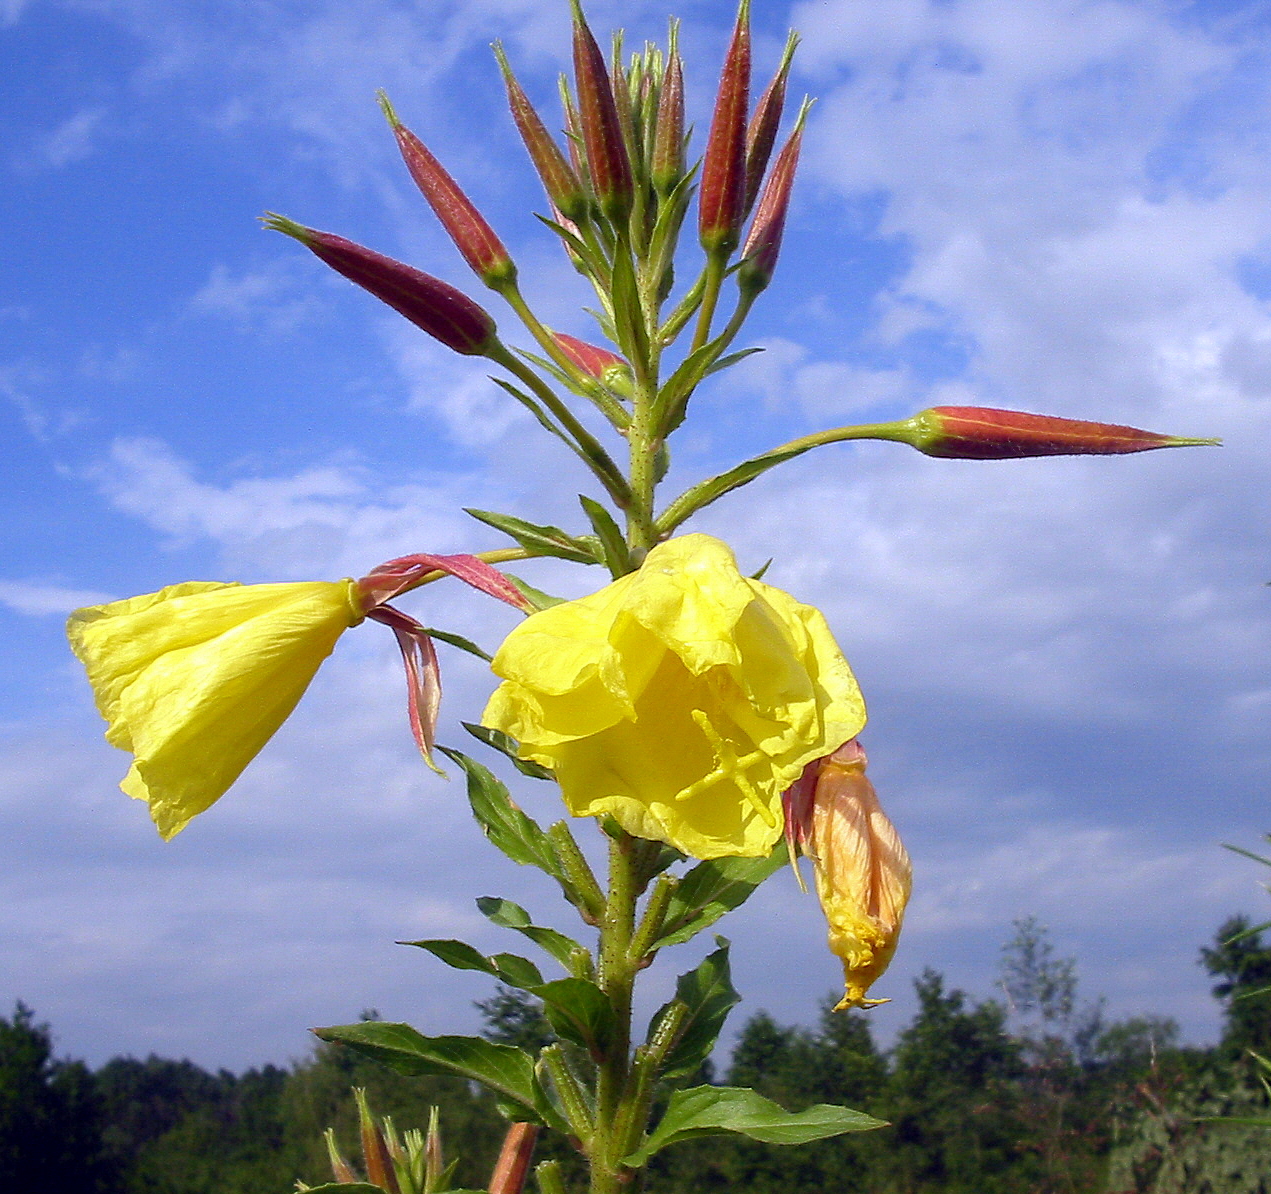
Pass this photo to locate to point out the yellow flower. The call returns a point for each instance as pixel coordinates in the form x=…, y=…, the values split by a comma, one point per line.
x=863, y=874
x=196, y=678
x=682, y=700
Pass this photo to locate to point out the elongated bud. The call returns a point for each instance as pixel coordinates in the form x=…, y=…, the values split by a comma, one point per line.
x=429, y=303
x=595, y=361
x=621, y=88
x=607, y=160
x=761, y=135
x=559, y=180
x=724, y=166
x=513, y=1165
x=863, y=874
x=467, y=227
x=668, y=141
x=982, y=433
x=763, y=242
x=379, y=1165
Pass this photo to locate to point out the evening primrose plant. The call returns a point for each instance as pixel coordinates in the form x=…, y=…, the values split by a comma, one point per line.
x=703, y=721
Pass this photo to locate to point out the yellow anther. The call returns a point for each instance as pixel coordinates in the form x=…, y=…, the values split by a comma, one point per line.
x=728, y=766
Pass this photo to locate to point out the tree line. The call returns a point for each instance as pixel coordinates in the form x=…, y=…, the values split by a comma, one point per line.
x=1033, y=1091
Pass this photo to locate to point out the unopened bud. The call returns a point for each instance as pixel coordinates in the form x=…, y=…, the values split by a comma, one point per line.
x=438, y=308
x=723, y=192
x=761, y=134
x=863, y=873
x=982, y=433
x=668, y=139
x=467, y=227
x=595, y=361
x=513, y=1165
x=559, y=180
x=607, y=161
x=763, y=242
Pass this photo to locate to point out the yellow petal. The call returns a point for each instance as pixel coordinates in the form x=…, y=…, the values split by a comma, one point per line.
x=196, y=678
x=682, y=700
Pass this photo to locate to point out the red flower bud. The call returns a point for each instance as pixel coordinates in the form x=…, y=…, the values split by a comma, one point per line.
x=763, y=243
x=593, y=360
x=474, y=238
x=723, y=191
x=513, y=1165
x=607, y=160
x=761, y=134
x=429, y=303
x=668, y=139
x=981, y=433
x=559, y=180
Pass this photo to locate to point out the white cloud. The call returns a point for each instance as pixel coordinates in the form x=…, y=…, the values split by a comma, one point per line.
x=32, y=597
x=73, y=140
x=268, y=297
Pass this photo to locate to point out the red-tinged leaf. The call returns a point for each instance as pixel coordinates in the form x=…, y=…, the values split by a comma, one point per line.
x=396, y=576
x=423, y=676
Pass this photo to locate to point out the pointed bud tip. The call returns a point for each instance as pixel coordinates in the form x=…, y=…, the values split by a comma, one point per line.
x=381, y=98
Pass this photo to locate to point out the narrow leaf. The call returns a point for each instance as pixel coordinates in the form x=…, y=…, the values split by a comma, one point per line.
x=512, y=916
x=712, y=888
x=457, y=640
x=507, y=745
x=536, y=597
x=543, y=540
x=709, y=995
x=715, y=1110
x=617, y=553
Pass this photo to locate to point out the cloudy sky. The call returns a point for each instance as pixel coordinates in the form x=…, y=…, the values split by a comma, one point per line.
x=1053, y=205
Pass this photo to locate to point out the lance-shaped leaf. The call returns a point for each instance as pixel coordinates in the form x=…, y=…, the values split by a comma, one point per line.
x=511, y=969
x=578, y=1011
x=540, y=539
x=503, y=1069
x=506, y=745
x=473, y=236
x=508, y=915
x=712, y=888
x=708, y=994
x=429, y=303
x=614, y=544
x=716, y=1110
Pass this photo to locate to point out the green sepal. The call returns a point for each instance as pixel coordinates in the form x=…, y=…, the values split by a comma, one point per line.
x=712, y=888
x=717, y=1110
x=508, y=915
x=536, y=597
x=505, y=744
x=709, y=995
x=506, y=1071
x=518, y=836
x=457, y=640
x=713, y=488
x=542, y=540
x=617, y=554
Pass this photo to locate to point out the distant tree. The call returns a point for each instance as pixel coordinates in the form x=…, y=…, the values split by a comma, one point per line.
x=514, y=1018
x=1242, y=961
x=50, y=1116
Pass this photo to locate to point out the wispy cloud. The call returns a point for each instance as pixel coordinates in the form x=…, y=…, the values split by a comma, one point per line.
x=38, y=599
x=269, y=298
x=72, y=141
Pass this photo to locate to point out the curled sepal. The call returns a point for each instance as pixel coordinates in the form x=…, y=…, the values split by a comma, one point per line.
x=468, y=228
x=504, y=1070
x=423, y=676
x=394, y=577
x=719, y=1110
x=438, y=308
x=707, y=995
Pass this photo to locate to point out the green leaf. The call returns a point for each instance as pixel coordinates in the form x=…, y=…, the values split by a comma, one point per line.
x=579, y=1011
x=614, y=545
x=507, y=1071
x=517, y=971
x=512, y=916
x=715, y=1110
x=505, y=744
x=731, y=359
x=517, y=835
x=714, y=488
x=457, y=640
x=346, y=1188
x=507, y=968
x=542, y=540
x=536, y=597
x=628, y=314
x=712, y=888
x=709, y=995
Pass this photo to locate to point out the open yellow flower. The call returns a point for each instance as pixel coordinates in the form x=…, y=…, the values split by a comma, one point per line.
x=196, y=678
x=863, y=873
x=682, y=700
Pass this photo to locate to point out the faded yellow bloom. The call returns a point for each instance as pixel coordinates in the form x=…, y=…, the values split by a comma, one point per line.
x=196, y=678
x=682, y=700
x=863, y=874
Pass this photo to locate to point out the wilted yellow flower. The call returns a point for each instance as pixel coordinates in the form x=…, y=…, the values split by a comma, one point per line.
x=863, y=874
x=196, y=678
x=682, y=699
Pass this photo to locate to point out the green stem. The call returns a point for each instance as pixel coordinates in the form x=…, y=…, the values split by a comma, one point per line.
x=715, y=266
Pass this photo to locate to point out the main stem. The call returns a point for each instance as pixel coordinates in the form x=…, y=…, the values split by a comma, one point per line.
x=617, y=980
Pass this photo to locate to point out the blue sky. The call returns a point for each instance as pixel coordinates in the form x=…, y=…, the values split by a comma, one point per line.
x=1041, y=204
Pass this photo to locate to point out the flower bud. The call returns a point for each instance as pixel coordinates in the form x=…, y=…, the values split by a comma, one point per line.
x=595, y=361
x=429, y=303
x=863, y=873
x=761, y=134
x=559, y=180
x=723, y=192
x=607, y=159
x=467, y=227
x=763, y=242
x=982, y=433
x=513, y=1165
x=668, y=138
